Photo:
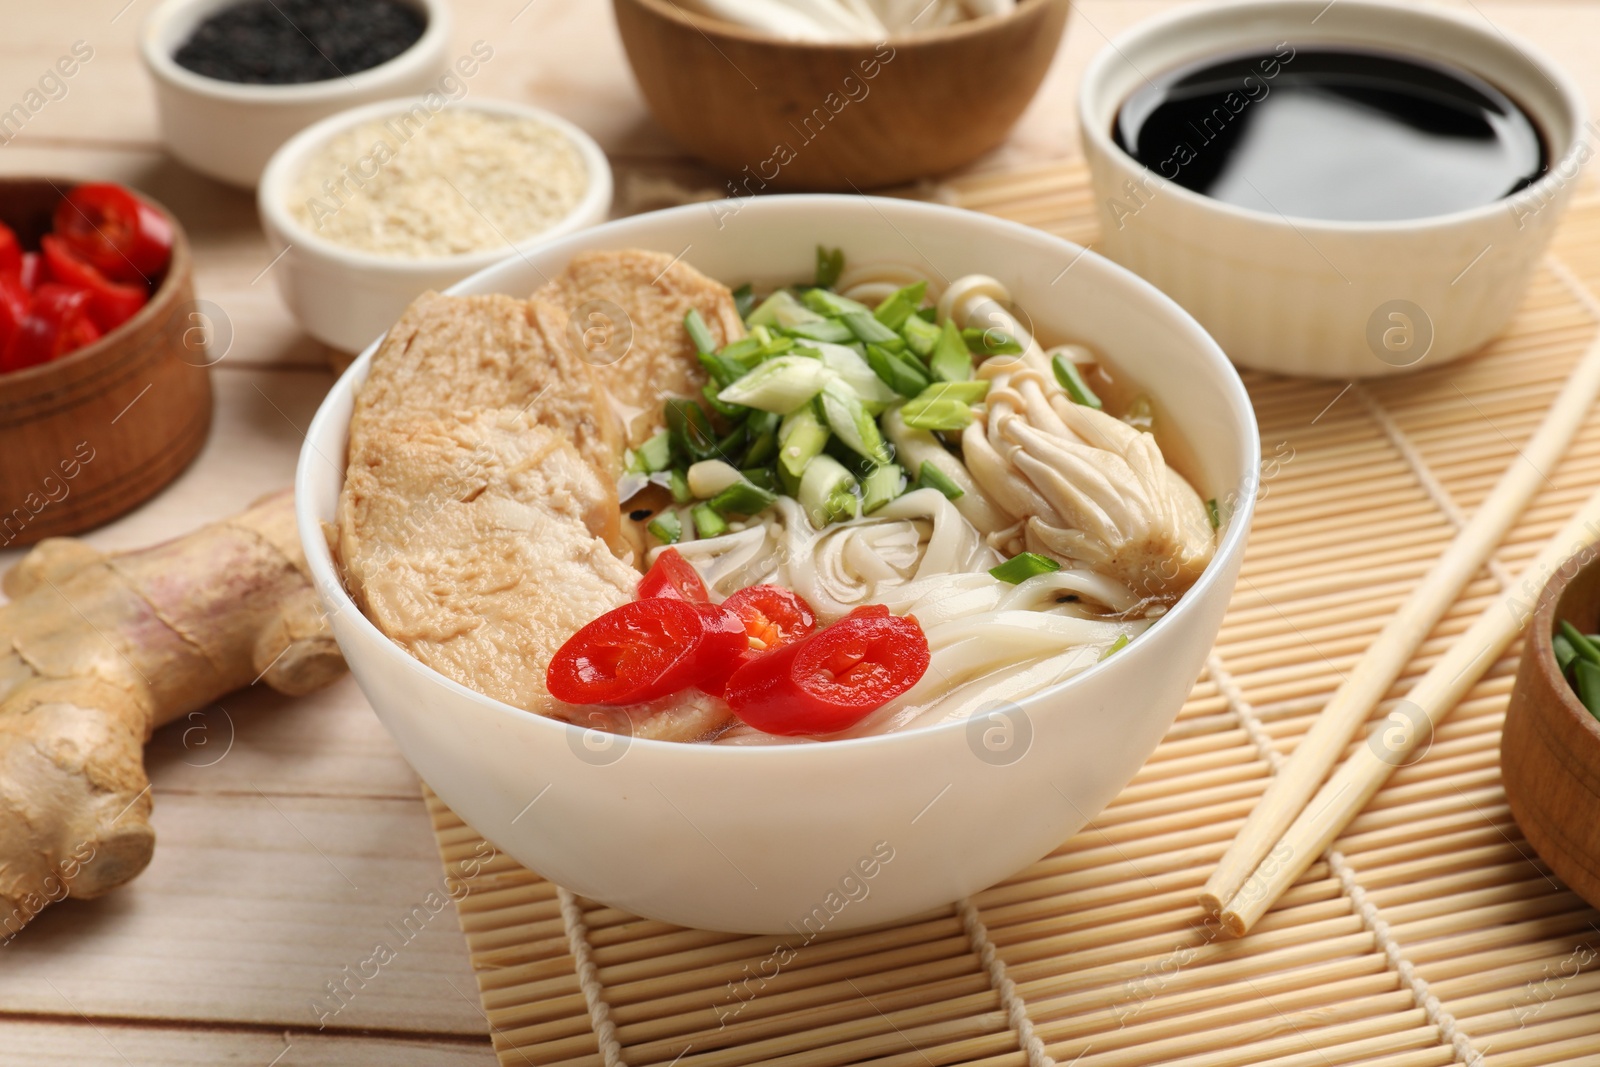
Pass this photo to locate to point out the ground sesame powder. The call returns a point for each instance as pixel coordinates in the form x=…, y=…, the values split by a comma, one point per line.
x=423, y=184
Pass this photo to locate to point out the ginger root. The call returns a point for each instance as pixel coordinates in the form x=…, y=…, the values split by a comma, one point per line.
x=98, y=650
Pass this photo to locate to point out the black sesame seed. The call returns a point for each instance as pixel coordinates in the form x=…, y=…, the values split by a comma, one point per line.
x=280, y=42
x=640, y=514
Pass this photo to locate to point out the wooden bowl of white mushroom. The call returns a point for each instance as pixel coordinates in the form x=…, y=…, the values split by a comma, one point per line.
x=838, y=94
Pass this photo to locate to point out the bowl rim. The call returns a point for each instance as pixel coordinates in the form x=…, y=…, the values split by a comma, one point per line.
x=325, y=577
x=709, y=26
x=158, y=59
x=1543, y=645
x=290, y=157
x=1542, y=190
x=106, y=344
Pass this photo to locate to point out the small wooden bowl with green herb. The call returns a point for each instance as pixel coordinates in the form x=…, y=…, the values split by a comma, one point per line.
x=1550, y=748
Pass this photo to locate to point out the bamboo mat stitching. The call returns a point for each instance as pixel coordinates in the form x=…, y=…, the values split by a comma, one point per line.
x=1015, y=1007
x=594, y=994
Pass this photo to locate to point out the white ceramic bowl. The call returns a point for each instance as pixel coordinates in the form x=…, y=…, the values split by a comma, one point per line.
x=774, y=839
x=228, y=130
x=345, y=297
x=1311, y=297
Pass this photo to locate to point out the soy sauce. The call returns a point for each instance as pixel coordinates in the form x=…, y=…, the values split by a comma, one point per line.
x=1339, y=134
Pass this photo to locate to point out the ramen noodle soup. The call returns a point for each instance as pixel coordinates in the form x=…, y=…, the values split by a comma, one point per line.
x=862, y=503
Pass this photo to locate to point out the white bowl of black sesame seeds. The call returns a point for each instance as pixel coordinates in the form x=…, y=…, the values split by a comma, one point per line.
x=236, y=78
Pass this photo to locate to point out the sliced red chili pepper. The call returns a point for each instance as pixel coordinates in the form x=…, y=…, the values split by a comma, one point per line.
x=10, y=251
x=32, y=270
x=111, y=303
x=57, y=323
x=831, y=680
x=125, y=239
x=673, y=576
x=773, y=616
x=643, y=650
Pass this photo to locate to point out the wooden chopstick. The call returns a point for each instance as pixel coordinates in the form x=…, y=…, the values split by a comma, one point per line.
x=1387, y=656
x=1430, y=700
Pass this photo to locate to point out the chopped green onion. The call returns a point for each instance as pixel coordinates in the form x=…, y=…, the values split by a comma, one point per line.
x=1587, y=678
x=742, y=498
x=1141, y=415
x=1564, y=651
x=827, y=492
x=801, y=438
x=666, y=528
x=678, y=483
x=1585, y=648
x=744, y=298
x=691, y=431
x=951, y=361
x=655, y=454
x=830, y=264
x=905, y=376
x=831, y=304
x=707, y=523
x=849, y=418
x=1116, y=646
x=882, y=485
x=991, y=342
x=781, y=309
x=1214, y=513
x=968, y=392
x=867, y=328
x=932, y=477
x=762, y=477
x=900, y=305
x=831, y=330
x=1024, y=565
x=921, y=335
x=763, y=447
x=744, y=351
x=782, y=384
x=1070, y=380
x=698, y=332
x=775, y=347
x=724, y=370
x=727, y=411
x=937, y=408
x=858, y=374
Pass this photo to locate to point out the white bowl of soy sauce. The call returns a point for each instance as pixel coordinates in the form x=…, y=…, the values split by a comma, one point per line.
x=1333, y=190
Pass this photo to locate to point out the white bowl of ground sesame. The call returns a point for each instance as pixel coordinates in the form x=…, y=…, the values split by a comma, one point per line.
x=371, y=207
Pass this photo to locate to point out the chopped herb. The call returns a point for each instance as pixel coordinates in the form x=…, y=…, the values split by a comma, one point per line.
x=1116, y=646
x=830, y=264
x=667, y=528
x=932, y=477
x=746, y=351
x=830, y=330
x=848, y=417
x=951, y=360
x=865, y=326
x=690, y=430
x=707, y=523
x=781, y=309
x=728, y=411
x=900, y=305
x=655, y=454
x=763, y=448
x=1214, y=513
x=880, y=486
x=698, y=332
x=969, y=392
x=904, y=376
x=831, y=304
x=936, y=414
x=921, y=335
x=827, y=492
x=724, y=370
x=762, y=477
x=678, y=483
x=744, y=299
x=991, y=342
x=742, y=498
x=1070, y=380
x=801, y=439
x=780, y=385
x=1024, y=565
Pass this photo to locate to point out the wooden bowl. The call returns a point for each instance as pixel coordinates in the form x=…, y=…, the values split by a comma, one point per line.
x=1550, y=748
x=88, y=436
x=777, y=114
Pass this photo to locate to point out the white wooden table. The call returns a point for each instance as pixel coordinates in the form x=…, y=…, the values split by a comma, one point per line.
x=291, y=834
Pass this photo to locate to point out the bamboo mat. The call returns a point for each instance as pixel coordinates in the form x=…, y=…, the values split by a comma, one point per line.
x=1431, y=935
